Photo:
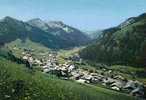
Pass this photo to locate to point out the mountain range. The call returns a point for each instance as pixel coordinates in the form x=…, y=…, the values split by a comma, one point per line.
x=54, y=34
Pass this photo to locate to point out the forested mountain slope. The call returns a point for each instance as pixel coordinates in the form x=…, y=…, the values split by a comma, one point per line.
x=124, y=44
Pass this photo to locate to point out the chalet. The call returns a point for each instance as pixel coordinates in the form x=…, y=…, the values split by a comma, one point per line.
x=115, y=88
x=81, y=81
x=137, y=92
x=118, y=84
x=130, y=85
x=25, y=58
x=71, y=68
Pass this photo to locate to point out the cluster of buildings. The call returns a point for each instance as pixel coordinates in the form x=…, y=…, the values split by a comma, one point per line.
x=116, y=82
x=43, y=59
x=31, y=60
x=70, y=71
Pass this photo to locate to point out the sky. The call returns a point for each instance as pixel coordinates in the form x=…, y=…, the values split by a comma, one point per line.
x=83, y=14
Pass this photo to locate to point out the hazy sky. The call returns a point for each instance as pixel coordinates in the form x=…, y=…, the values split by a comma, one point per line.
x=83, y=14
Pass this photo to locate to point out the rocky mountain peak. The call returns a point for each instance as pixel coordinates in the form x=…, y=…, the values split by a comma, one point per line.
x=37, y=22
x=56, y=24
x=127, y=22
x=132, y=20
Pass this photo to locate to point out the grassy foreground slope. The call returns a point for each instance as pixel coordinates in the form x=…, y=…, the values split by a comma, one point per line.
x=19, y=83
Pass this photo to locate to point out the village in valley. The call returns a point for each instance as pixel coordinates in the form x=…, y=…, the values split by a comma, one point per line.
x=70, y=69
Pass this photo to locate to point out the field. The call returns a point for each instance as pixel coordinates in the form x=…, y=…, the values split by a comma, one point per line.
x=18, y=47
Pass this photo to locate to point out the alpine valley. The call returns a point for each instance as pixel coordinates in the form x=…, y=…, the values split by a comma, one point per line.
x=49, y=60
